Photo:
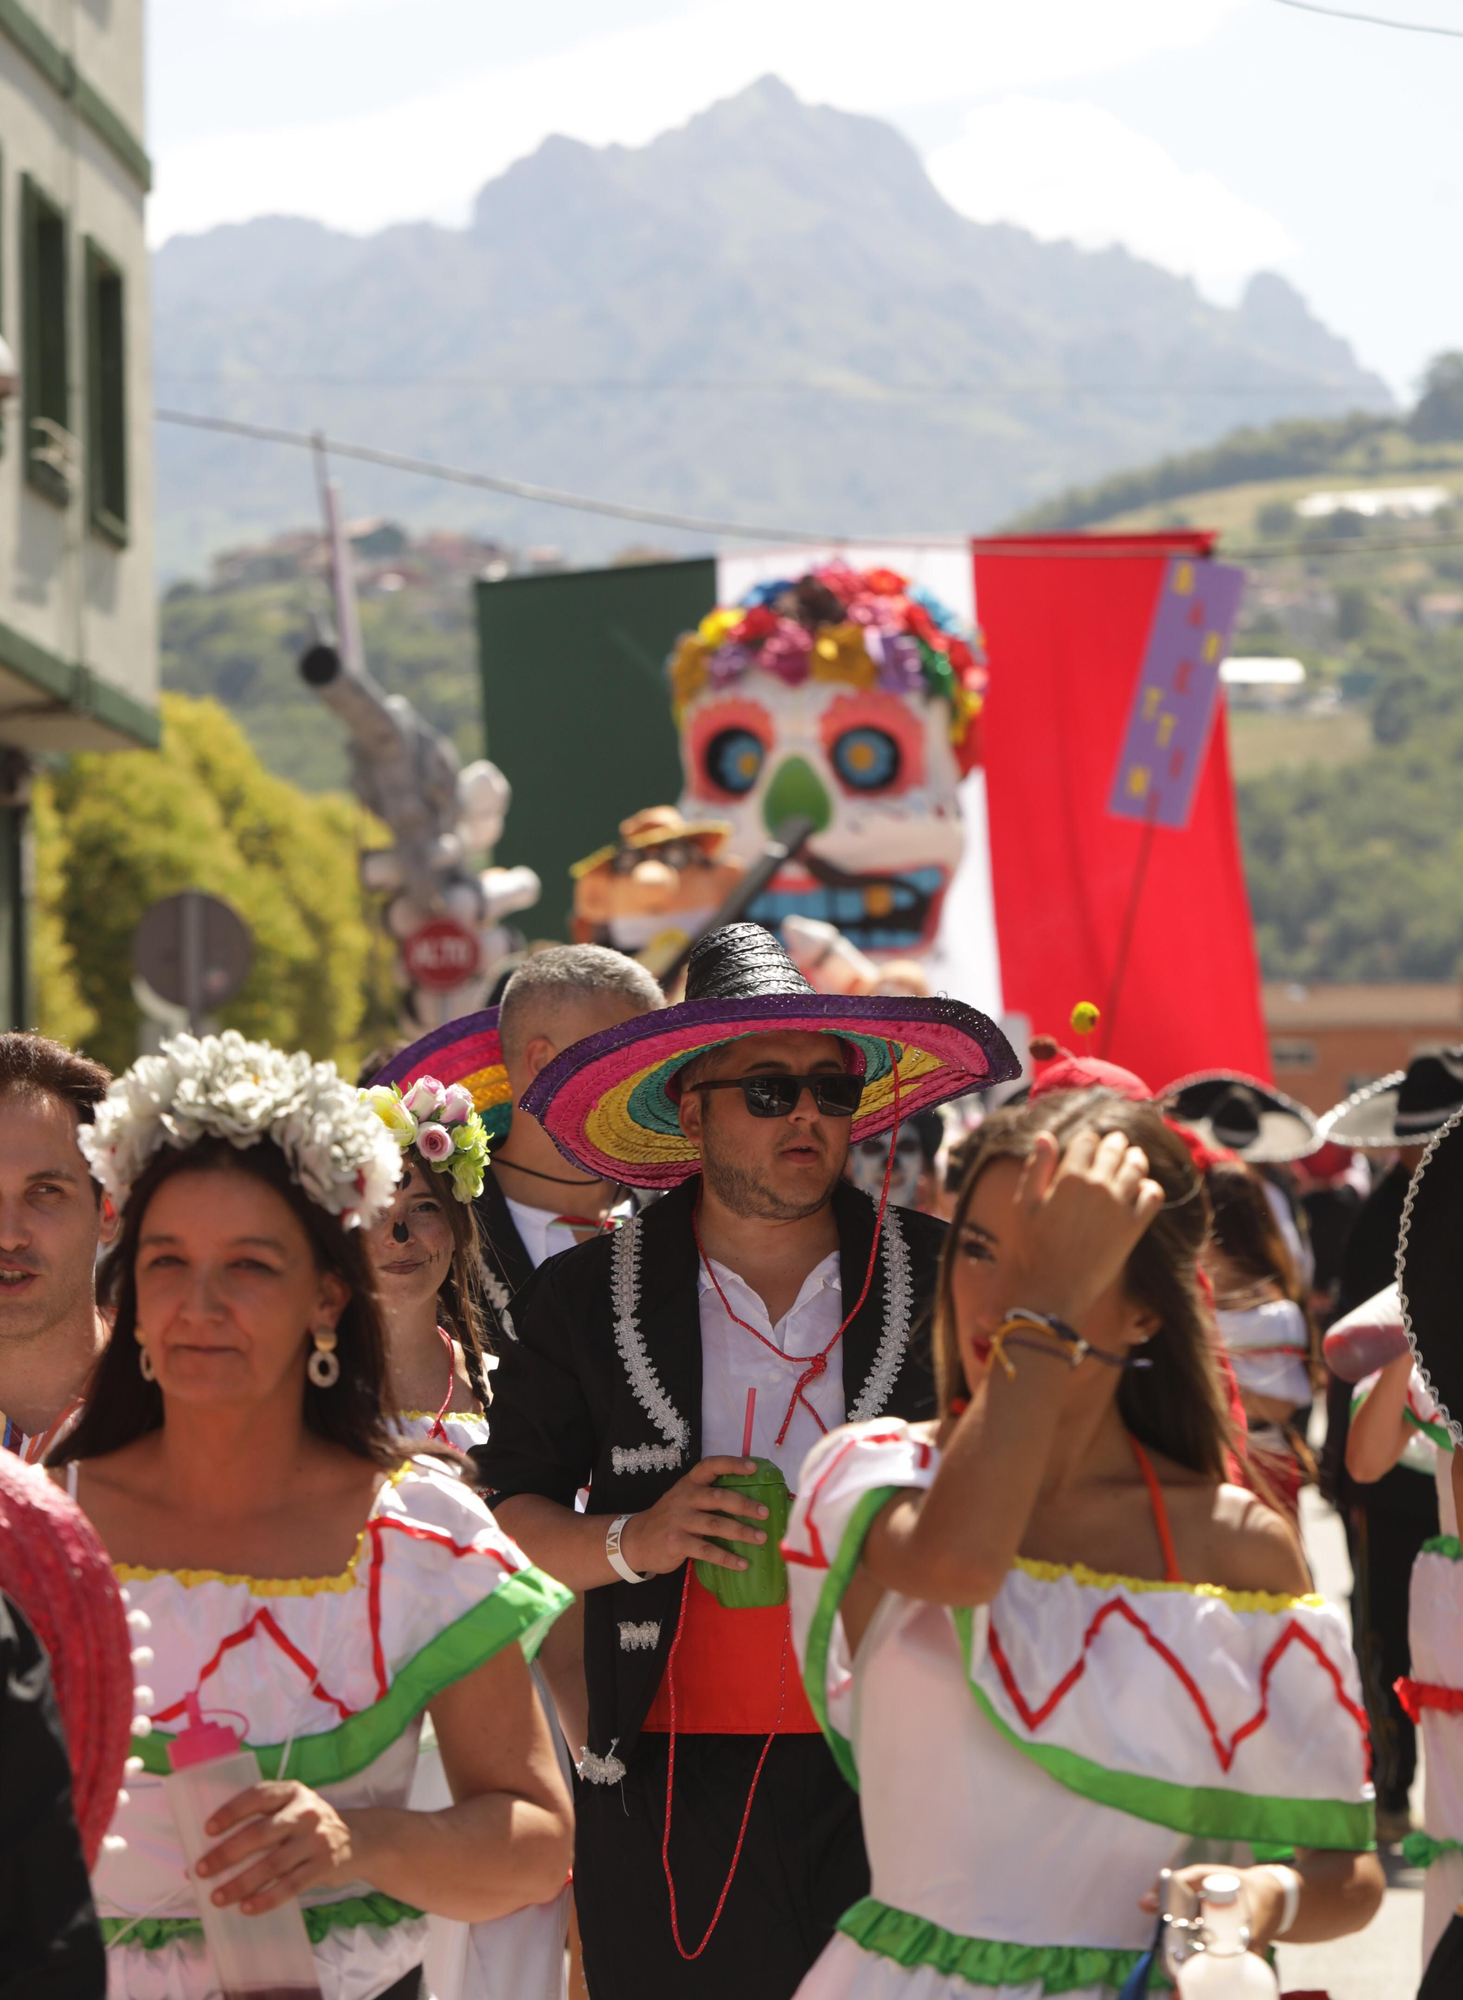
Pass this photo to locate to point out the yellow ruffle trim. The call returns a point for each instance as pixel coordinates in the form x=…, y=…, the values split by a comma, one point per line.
x=265, y=1586
x=1237, y=1600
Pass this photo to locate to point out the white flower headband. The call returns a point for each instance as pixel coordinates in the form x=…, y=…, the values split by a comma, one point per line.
x=222, y=1087
x=442, y=1123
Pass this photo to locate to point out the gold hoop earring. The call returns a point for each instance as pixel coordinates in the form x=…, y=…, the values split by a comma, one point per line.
x=323, y=1367
x=144, y=1359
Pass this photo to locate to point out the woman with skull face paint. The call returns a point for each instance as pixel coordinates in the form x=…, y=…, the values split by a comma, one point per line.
x=425, y=1254
x=423, y=1250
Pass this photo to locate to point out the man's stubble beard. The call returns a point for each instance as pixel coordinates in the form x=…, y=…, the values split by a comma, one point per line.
x=745, y=1193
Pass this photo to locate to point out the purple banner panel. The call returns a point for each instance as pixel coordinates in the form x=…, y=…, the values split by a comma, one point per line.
x=1174, y=700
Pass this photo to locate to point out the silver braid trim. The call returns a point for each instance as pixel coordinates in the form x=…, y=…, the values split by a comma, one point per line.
x=645, y=1458
x=606, y=1770
x=625, y=1295
x=639, y=1638
x=498, y=1296
x=1454, y=1428
x=898, y=1304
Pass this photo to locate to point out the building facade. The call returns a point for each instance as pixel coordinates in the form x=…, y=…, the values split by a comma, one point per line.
x=78, y=632
x=1326, y=1041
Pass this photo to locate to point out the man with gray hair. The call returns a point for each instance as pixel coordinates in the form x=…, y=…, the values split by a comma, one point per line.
x=534, y=1203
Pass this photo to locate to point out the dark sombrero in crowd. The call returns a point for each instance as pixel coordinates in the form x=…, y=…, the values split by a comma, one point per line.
x=610, y=1102
x=1230, y=1110
x=465, y=1051
x=1430, y=1270
x=1402, y=1109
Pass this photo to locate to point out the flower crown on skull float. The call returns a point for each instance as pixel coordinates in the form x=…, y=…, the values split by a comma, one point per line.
x=222, y=1087
x=441, y=1123
x=869, y=628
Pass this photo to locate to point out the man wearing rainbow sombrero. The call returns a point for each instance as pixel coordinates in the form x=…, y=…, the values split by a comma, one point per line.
x=761, y=1303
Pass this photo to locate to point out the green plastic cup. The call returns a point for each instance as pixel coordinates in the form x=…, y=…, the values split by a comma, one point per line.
x=764, y=1580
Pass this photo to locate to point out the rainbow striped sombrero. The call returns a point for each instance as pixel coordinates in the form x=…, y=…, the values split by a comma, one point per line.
x=609, y=1103
x=465, y=1051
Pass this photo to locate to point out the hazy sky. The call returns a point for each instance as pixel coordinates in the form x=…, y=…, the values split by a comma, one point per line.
x=1217, y=137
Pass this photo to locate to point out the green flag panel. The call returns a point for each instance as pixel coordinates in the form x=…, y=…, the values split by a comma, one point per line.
x=577, y=710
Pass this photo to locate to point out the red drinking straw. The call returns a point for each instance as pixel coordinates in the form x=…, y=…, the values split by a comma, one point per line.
x=747, y=1426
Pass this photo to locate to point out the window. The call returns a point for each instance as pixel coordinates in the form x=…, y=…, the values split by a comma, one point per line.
x=1293, y=1055
x=106, y=383
x=50, y=449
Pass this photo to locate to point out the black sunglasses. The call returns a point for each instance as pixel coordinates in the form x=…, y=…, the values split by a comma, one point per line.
x=777, y=1096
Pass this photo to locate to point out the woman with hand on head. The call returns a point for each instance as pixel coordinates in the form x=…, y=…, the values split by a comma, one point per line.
x=423, y=1249
x=1047, y=1640
x=301, y=1577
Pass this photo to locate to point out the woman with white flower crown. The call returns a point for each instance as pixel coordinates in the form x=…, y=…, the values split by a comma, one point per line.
x=302, y=1579
x=423, y=1249
x=1042, y=1635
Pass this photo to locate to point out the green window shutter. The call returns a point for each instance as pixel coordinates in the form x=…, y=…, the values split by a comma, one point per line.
x=106, y=395
x=45, y=344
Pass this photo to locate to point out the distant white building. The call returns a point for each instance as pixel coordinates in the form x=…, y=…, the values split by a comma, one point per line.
x=78, y=634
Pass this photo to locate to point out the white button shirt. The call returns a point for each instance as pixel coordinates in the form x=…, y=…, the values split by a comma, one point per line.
x=732, y=1362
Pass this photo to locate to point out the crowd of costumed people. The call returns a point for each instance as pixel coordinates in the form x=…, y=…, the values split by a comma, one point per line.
x=754, y=1495
x=722, y=1480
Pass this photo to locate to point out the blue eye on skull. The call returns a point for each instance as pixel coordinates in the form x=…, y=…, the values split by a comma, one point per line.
x=866, y=760
x=734, y=759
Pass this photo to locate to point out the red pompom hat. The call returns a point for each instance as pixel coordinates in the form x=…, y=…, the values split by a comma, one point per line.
x=54, y=1568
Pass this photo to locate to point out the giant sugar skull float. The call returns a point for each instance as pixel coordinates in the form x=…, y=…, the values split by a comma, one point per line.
x=851, y=696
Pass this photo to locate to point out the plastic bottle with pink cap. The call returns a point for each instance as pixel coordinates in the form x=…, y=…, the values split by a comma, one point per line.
x=264, y=1957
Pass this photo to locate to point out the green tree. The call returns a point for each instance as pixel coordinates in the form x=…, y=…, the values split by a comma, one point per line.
x=1439, y=412
x=117, y=832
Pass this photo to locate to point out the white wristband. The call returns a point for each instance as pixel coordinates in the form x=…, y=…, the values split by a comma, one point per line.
x=612, y=1549
x=1289, y=1882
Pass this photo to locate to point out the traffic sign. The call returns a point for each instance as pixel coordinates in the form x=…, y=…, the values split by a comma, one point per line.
x=194, y=950
x=441, y=955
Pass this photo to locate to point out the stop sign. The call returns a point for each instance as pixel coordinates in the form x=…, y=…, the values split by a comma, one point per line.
x=441, y=955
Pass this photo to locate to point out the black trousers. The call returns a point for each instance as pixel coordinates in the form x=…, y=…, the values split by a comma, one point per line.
x=802, y=1865
x=1385, y=1536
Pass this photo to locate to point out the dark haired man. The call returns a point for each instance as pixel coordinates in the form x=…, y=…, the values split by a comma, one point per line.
x=50, y=1223
x=763, y=1296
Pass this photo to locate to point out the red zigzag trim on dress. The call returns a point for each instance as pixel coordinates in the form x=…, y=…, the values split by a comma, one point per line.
x=1293, y=1634
x=264, y=1621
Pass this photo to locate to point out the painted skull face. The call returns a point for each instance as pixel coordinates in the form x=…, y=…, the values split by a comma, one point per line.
x=850, y=697
x=876, y=773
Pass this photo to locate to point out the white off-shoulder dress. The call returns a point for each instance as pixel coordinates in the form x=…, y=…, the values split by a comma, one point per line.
x=1025, y=1769
x=332, y=1675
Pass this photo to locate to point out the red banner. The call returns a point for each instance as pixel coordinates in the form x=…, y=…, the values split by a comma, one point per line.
x=1151, y=924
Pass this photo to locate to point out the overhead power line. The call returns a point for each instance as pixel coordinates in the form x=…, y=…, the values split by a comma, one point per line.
x=863, y=391
x=550, y=496
x=1375, y=20
x=518, y=489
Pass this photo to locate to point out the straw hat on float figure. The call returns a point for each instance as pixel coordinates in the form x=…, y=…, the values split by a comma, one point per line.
x=680, y=1367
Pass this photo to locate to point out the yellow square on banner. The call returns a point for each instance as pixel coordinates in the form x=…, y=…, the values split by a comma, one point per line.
x=1151, y=698
x=1211, y=646
x=1165, y=729
x=1183, y=579
x=1138, y=780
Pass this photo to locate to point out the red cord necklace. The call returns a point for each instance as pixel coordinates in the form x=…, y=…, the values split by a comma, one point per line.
x=438, y=1430
x=815, y=1364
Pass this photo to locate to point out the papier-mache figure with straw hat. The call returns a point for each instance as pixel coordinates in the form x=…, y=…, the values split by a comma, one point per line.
x=680, y=1368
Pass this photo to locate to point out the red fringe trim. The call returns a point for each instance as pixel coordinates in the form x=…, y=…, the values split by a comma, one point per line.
x=1415, y=1696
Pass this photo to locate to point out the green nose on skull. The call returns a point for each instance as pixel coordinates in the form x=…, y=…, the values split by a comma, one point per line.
x=796, y=789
